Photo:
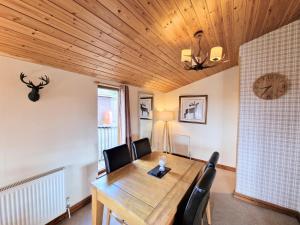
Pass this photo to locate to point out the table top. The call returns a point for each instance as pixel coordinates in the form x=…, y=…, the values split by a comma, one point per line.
x=140, y=198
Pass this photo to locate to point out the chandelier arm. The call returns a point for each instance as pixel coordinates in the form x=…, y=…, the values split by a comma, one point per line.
x=205, y=67
x=187, y=66
x=195, y=59
x=204, y=60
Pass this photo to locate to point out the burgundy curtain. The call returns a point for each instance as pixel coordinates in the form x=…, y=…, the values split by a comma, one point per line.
x=127, y=118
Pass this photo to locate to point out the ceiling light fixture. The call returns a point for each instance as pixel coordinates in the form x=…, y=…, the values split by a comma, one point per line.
x=194, y=61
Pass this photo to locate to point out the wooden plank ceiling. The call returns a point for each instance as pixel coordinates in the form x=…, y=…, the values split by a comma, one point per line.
x=136, y=42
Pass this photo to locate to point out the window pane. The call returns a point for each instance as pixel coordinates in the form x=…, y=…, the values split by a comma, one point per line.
x=108, y=119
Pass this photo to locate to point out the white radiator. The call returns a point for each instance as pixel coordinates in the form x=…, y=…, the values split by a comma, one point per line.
x=34, y=201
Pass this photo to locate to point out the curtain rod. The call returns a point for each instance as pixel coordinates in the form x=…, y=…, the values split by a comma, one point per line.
x=108, y=85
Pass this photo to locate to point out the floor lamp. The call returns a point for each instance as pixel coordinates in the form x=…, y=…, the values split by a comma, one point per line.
x=166, y=116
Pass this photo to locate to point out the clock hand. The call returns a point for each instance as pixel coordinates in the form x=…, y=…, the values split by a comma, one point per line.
x=266, y=89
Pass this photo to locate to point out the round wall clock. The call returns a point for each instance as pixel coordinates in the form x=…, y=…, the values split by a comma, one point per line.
x=270, y=86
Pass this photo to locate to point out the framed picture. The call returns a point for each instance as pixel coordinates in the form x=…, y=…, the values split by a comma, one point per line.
x=145, y=108
x=193, y=109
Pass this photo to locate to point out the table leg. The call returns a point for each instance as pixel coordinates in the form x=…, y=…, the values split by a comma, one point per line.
x=108, y=216
x=208, y=212
x=97, y=209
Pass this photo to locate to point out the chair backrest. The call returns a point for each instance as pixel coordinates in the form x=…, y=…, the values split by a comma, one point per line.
x=197, y=202
x=181, y=145
x=213, y=160
x=116, y=157
x=141, y=147
x=183, y=203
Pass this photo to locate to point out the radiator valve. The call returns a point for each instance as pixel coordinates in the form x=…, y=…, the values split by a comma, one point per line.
x=68, y=206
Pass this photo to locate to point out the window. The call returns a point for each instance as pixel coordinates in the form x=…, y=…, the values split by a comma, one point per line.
x=108, y=120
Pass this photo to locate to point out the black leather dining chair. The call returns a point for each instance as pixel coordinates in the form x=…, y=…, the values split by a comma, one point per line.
x=116, y=157
x=192, y=211
x=213, y=160
x=141, y=147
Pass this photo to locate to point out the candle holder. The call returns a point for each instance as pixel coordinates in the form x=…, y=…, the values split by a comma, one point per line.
x=162, y=163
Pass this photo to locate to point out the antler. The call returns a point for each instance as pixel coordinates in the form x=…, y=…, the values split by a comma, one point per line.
x=29, y=84
x=44, y=79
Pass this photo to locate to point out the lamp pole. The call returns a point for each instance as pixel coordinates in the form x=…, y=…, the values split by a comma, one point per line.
x=166, y=137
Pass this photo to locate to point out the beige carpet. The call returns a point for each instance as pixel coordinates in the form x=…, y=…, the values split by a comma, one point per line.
x=226, y=210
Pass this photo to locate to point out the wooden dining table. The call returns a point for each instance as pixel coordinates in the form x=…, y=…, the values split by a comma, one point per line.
x=139, y=198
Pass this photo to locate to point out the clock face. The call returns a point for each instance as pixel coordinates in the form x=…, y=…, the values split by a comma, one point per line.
x=270, y=86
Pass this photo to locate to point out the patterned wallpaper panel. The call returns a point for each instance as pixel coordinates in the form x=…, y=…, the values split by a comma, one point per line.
x=269, y=130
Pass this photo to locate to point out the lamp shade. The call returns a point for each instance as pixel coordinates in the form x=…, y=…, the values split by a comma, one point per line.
x=186, y=55
x=216, y=53
x=165, y=115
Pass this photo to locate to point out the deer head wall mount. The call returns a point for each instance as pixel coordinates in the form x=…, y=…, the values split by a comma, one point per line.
x=34, y=94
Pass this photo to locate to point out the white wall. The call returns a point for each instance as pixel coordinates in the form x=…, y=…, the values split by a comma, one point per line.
x=220, y=132
x=58, y=130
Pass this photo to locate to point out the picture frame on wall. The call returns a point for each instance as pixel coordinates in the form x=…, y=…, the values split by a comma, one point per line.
x=193, y=109
x=146, y=108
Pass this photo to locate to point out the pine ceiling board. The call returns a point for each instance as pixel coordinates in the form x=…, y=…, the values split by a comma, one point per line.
x=27, y=21
x=79, y=64
x=275, y=14
x=86, y=16
x=36, y=36
x=115, y=22
x=137, y=42
x=155, y=17
x=239, y=11
x=41, y=27
x=47, y=38
x=72, y=20
x=227, y=12
x=79, y=24
x=138, y=23
x=141, y=15
x=46, y=60
x=133, y=19
x=293, y=13
x=113, y=47
x=52, y=52
x=247, y=17
x=257, y=14
x=258, y=20
x=162, y=58
x=171, y=26
x=186, y=10
x=291, y=9
x=63, y=59
x=204, y=21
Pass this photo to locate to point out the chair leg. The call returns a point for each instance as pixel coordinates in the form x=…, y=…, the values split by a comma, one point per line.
x=108, y=216
x=208, y=212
